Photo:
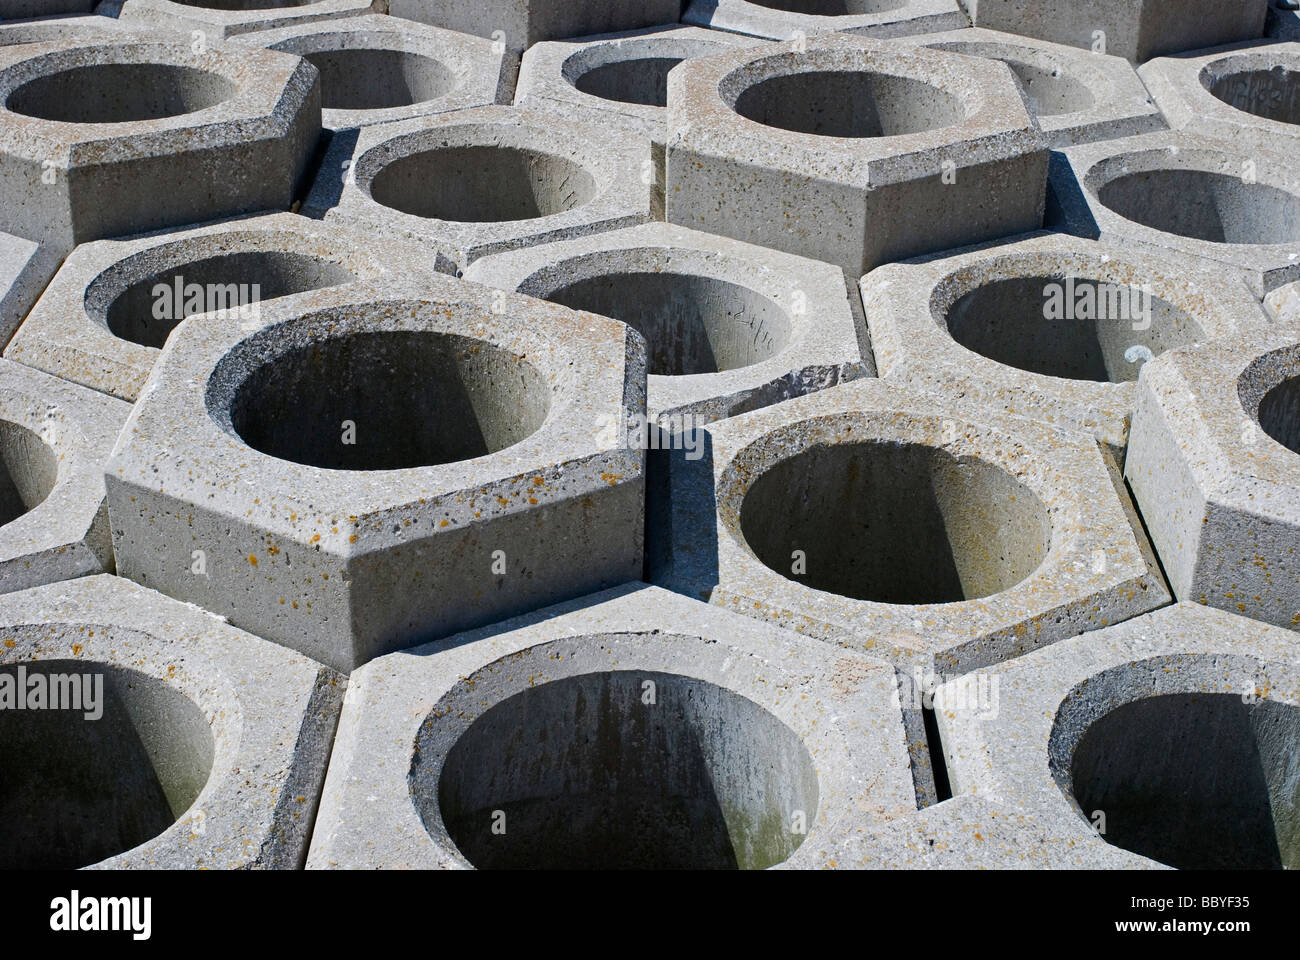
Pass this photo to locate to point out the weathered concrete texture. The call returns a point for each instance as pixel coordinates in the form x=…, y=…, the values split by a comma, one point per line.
x=788, y=19
x=216, y=19
x=1283, y=21
x=1283, y=305
x=1051, y=327
x=1076, y=96
x=22, y=9
x=1134, y=29
x=1247, y=93
x=482, y=181
x=65, y=29
x=716, y=741
x=382, y=464
x=934, y=533
x=54, y=440
x=619, y=80
x=105, y=317
x=208, y=752
x=1174, y=733
x=1213, y=463
x=851, y=150
x=518, y=24
x=729, y=326
x=376, y=69
x=89, y=134
x=1237, y=203
x=25, y=269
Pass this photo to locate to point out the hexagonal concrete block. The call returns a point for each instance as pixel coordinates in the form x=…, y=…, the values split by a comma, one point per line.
x=851, y=150
x=1283, y=305
x=25, y=268
x=634, y=728
x=381, y=464
x=65, y=29
x=1245, y=93
x=104, y=319
x=1134, y=29
x=1214, y=461
x=1075, y=96
x=216, y=19
x=518, y=24
x=1283, y=22
x=1051, y=327
x=483, y=181
x=88, y=133
x=22, y=9
x=376, y=69
x=790, y=19
x=729, y=326
x=170, y=740
x=1169, y=738
x=934, y=533
x=1235, y=203
x=54, y=440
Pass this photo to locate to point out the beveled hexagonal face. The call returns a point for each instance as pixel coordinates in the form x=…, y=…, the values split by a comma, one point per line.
x=787, y=19
x=380, y=464
x=898, y=152
x=223, y=18
x=88, y=134
x=1214, y=461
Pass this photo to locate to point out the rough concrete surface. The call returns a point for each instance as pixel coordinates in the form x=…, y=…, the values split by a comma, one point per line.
x=216, y=19
x=790, y=19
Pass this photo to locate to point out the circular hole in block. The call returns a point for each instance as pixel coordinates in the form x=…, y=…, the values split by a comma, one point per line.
x=31, y=468
x=843, y=103
x=148, y=310
x=643, y=80
x=1078, y=328
x=1194, y=780
x=692, y=324
x=1204, y=205
x=377, y=79
x=76, y=788
x=626, y=769
x=1270, y=94
x=413, y=399
x=1279, y=413
x=832, y=8
x=120, y=93
x=895, y=523
x=482, y=184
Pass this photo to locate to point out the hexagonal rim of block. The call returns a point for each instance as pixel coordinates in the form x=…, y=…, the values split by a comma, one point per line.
x=828, y=341
x=796, y=680
x=701, y=117
x=248, y=689
x=1121, y=105
x=616, y=164
x=754, y=19
x=1181, y=88
x=1044, y=709
x=65, y=535
x=595, y=366
x=74, y=30
x=1067, y=471
x=189, y=17
x=907, y=303
x=1082, y=170
x=66, y=333
x=481, y=70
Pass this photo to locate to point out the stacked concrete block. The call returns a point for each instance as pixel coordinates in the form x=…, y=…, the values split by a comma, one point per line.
x=1134, y=29
x=1283, y=21
x=1234, y=202
x=177, y=742
x=108, y=312
x=379, y=464
x=25, y=269
x=1051, y=327
x=482, y=181
x=795, y=19
x=1076, y=96
x=30, y=9
x=213, y=20
x=719, y=743
x=1171, y=737
x=851, y=150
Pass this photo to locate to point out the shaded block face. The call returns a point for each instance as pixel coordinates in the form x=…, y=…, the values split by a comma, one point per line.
x=789, y=19
x=219, y=19
x=518, y=24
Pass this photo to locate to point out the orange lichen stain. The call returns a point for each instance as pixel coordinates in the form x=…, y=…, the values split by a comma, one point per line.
x=1241, y=607
x=295, y=604
x=538, y=481
x=610, y=478
x=252, y=559
x=445, y=522
x=314, y=538
x=171, y=670
x=76, y=649
x=532, y=499
x=352, y=539
x=503, y=501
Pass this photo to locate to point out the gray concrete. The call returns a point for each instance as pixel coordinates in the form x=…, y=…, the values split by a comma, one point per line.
x=790, y=19
x=1225, y=200
x=1051, y=327
x=1214, y=461
x=1171, y=736
x=381, y=464
x=216, y=19
x=54, y=440
x=767, y=744
x=483, y=181
x=209, y=750
x=1283, y=22
x=23, y=9
x=817, y=147
x=25, y=268
x=64, y=29
x=1283, y=305
x=98, y=323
